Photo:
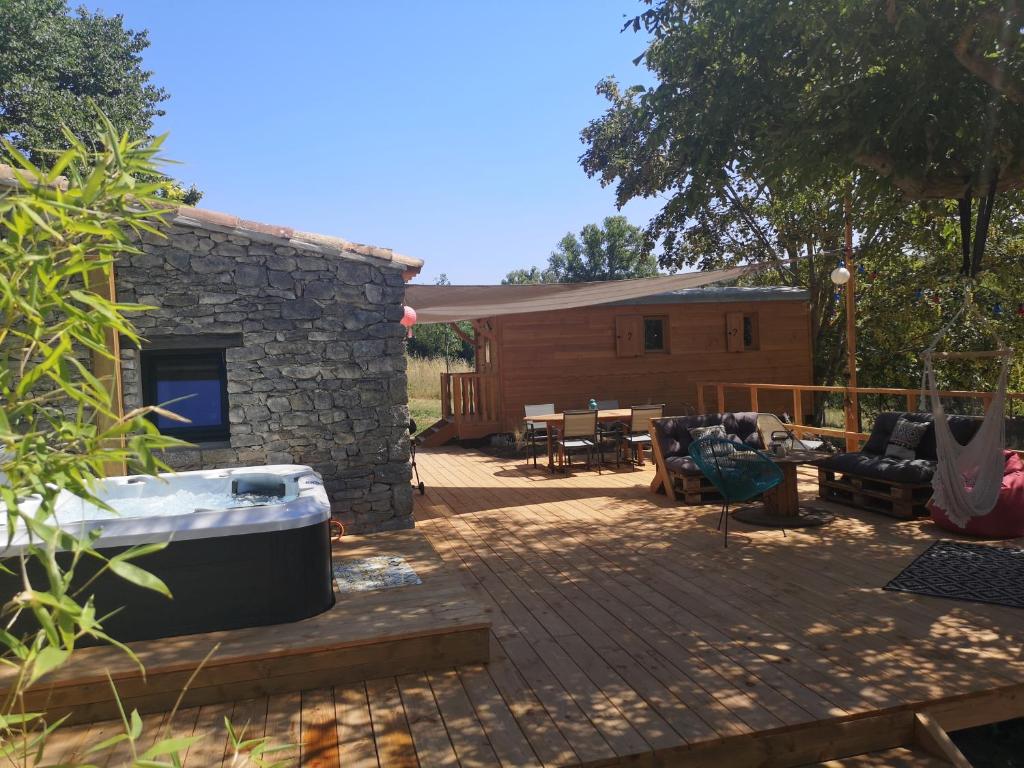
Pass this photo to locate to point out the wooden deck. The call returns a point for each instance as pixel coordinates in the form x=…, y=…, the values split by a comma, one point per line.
x=365, y=634
x=623, y=633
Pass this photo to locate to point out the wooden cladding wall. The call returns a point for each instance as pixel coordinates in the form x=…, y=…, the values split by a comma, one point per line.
x=573, y=355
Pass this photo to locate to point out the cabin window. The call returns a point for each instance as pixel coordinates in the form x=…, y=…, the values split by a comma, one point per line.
x=751, y=337
x=741, y=332
x=196, y=381
x=655, y=334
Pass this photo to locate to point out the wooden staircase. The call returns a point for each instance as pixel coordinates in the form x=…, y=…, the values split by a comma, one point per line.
x=439, y=433
x=469, y=409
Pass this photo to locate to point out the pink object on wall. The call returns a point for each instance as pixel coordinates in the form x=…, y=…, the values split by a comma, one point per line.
x=409, y=319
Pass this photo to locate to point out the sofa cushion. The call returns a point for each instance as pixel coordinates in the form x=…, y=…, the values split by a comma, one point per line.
x=715, y=430
x=872, y=467
x=905, y=438
x=682, y=465
x=962, y=427
x=674, y=433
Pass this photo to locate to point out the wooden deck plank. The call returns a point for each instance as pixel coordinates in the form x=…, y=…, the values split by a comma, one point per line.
x=429, y=735
x=468, y=736
x=354, y=726
x=284, y=728
x=320, y=742
x=390, y=727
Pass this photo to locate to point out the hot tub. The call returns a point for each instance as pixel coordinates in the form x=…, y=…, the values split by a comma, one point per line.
x=248, y=547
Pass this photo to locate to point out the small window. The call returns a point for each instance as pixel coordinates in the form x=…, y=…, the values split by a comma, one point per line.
x=196, y=380
x=751, y=338
x=654, y=334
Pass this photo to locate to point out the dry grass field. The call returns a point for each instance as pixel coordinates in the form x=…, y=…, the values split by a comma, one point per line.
x=425, y=387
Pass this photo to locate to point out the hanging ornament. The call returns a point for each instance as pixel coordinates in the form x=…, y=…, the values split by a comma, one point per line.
x=918, y=294
x=997, y=309
x=874, y=275
x=840, y=275
x=861, y=270
x=1020, y=310
x=837, y=296
x=408, y=319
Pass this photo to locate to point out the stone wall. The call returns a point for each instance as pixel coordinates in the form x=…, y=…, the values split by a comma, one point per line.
x=316, y=371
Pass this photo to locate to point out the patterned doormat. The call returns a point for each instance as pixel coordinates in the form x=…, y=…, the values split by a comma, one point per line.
x=371, y=573
x=978, y=573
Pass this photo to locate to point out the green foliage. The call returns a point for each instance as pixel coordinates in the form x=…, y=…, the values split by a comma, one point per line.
x=613, y=250
x=54, y=63
x=439, y=340
x=61, y=229
x=792, y=95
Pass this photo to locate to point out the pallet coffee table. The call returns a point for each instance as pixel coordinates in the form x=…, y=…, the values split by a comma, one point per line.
x=781, y=505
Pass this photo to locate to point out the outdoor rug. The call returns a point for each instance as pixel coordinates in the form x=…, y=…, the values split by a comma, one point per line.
x=367, y=574
x=978, y=573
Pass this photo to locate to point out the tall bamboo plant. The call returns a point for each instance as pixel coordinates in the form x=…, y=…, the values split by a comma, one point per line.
x=61, y=230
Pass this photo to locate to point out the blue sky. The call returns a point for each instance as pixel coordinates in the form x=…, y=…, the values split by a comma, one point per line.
x=448, y=131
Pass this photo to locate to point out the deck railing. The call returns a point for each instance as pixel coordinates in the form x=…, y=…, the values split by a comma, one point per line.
x=852, y=432
x=470, y=400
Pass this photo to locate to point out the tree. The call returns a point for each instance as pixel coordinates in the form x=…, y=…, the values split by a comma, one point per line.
x=925, y=100
x=530, y=275
x=613, y=250
x=54, y=64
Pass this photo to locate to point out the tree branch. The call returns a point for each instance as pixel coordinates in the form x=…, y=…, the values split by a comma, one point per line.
x=984, y=69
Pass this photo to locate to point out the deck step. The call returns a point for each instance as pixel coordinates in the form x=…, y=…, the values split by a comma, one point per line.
x=438, y=433
x=900, y=757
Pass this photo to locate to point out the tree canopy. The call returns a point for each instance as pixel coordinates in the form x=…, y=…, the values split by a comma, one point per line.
x=612, y=250
x=926, y=99
x=54, y=62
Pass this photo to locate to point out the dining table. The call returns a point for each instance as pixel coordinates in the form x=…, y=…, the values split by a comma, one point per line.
x=552, y=420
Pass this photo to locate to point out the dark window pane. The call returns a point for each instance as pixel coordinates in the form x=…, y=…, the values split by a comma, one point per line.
x=201, y=406
x=191, y=384
x=654, y=334
x=750, y=332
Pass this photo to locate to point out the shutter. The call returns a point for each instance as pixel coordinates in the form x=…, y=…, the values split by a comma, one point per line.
x=734, y=331
x=629, y=336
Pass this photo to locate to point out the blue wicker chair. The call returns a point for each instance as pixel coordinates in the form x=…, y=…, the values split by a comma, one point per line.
x=738, y=473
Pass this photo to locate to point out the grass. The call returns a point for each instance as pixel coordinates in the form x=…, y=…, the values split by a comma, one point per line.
x=424, y=375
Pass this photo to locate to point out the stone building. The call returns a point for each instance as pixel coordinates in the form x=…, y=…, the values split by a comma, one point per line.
x=286, y=347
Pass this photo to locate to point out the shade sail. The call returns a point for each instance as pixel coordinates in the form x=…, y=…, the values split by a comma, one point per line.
x=450, y=303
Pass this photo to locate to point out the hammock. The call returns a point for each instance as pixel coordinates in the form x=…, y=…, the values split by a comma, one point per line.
x=968, y=477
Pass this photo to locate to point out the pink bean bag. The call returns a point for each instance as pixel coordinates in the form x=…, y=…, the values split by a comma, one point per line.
x=1006, y=520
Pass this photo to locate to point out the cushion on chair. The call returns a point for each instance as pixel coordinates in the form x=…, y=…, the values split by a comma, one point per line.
x=863, y=464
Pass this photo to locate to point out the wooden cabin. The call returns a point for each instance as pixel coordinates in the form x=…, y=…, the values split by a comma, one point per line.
x=651, y=349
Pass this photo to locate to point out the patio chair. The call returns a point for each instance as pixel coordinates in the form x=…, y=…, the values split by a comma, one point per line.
x=638, y=432
x=536, y=431
x=739, y=475
x=609, y=434
x=775, y=430
x=578, y=433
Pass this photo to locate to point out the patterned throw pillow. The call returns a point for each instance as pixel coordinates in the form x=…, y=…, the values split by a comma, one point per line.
x=696, y=433
x=905, y=438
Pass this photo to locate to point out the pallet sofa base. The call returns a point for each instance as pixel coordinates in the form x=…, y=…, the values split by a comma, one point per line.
x=903, y=500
